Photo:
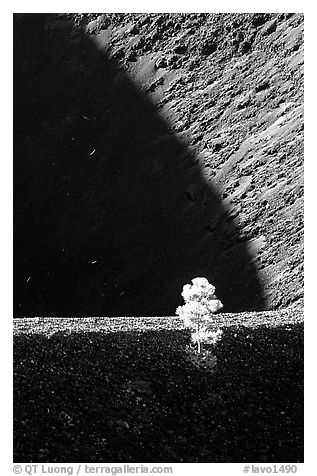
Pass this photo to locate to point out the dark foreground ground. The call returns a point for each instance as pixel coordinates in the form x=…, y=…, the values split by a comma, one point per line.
x=130, y=396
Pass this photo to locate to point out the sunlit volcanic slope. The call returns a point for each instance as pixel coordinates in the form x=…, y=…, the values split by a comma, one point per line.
x=150, y=149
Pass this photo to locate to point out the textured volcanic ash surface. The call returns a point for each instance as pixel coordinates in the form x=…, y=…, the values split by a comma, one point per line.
x=150, y=149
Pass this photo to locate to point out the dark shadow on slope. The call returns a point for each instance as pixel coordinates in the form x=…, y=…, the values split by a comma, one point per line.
x=112, y=216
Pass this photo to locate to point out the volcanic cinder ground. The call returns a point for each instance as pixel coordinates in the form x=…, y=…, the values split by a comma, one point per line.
x=151, y=149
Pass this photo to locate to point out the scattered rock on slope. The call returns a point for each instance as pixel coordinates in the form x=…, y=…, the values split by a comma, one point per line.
x=173, y=105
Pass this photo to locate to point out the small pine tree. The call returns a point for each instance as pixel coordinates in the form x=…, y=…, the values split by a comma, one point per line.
x=200, y=303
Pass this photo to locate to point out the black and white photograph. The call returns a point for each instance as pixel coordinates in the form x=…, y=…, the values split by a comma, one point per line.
x=158, y=249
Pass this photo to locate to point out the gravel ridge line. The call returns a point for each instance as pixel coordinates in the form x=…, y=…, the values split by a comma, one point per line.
x=69, y=325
